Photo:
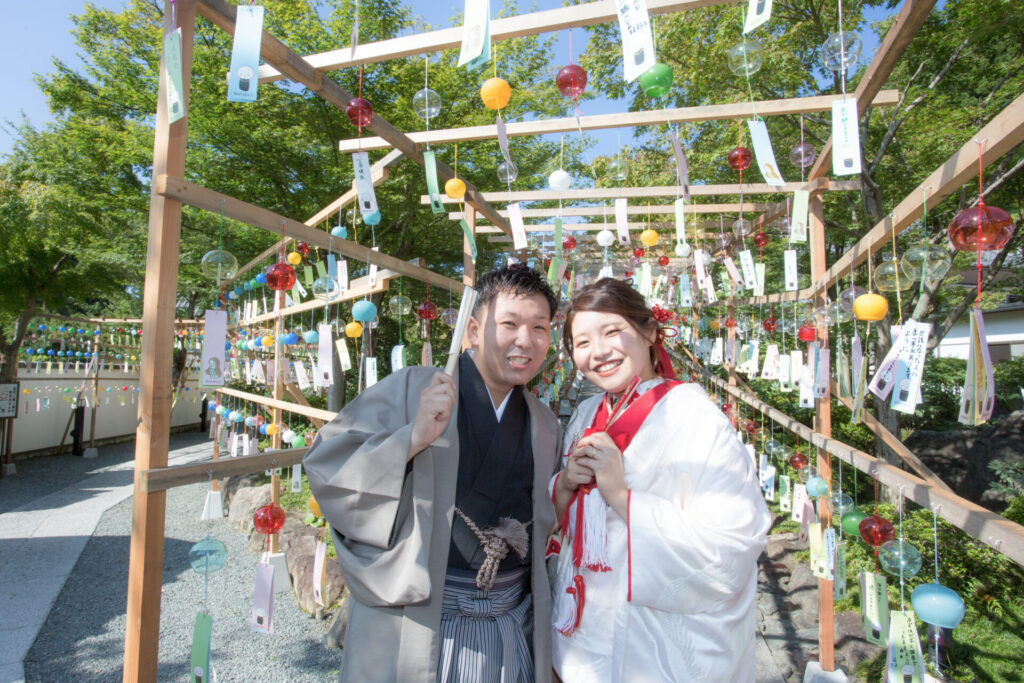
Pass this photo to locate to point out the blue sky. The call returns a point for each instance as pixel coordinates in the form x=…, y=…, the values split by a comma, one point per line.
x=36, y=32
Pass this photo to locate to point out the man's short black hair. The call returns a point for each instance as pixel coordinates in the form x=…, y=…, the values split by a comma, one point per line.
x=516, y=279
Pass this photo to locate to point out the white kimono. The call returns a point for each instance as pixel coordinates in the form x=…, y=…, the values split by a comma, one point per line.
x=697, y=524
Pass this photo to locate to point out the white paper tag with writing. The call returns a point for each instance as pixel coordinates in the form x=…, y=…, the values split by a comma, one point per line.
x=784, y=373
x=637, y=42
x=262, y=617
x=845, y=138
x=371, y=371
x=342, y=275
x=717, y=352
x=325, y=367
x=734, y=273
x=747, y=266
x=698, y=266
x=759, y=272
x=685, y=294
x=364, y=183
x=799, y=498
x=785, y=501
x=297, y=478
x=515, y=220
x=792, y=276
x=798, y=222
x=475, y=32
x=397, y=357
x=372, y=274
x=343, y=355
x=763, y=152
x=910, y=366
x=807, y=382
x=758, y=12
x=622, y=221
x=772, y=361
x=300, y=375
x=319, y=572
x=821, y=374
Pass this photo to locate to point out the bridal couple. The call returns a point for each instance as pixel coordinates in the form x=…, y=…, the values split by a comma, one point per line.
x=479, y=544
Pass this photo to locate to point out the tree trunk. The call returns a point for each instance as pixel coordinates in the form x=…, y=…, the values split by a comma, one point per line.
x=9, y=351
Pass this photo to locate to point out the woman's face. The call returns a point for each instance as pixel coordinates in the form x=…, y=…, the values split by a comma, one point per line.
x=609, y=351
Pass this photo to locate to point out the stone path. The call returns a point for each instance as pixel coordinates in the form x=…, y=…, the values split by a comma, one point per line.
x=41, y=540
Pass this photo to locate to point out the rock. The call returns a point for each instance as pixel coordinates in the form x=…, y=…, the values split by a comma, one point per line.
x=230, y=486
x=297, y=539
x=301, y=570
x=339, y=623
x=961, y=458
x=244, y=503
x=257, y=542
x=802, y=588
x=781, y=550
x=851, y=647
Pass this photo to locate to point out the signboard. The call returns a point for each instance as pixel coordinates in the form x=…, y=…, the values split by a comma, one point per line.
x=9, y=400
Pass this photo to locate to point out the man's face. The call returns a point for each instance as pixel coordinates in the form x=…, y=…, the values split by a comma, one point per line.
x=511, y=338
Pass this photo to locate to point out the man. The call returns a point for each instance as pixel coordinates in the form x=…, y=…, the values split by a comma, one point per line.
x=436, y=491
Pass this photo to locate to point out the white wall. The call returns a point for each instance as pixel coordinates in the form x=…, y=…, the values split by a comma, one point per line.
x=1005, y=327
x=34, y=430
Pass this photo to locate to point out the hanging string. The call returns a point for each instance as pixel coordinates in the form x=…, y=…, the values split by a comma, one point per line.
x=935, y=536
x=899, y=295
x=924, y=230
x=426, y=85
x=842, y=51
x=903, y=549
x=802, y=169
x=981, y=208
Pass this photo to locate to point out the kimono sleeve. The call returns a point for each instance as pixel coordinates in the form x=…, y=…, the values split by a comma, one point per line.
x=357, y=464
x=699, y=554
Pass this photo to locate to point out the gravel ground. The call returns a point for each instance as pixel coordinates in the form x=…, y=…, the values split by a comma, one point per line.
x=83, y=637
x=39, y=476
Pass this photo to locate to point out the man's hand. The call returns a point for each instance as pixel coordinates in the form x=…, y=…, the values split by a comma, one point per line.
x=435, y=411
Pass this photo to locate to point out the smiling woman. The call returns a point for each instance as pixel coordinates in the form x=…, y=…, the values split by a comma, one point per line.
x=650, y=577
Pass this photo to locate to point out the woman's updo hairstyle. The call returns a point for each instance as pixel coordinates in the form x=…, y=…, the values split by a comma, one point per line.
x=609, y=295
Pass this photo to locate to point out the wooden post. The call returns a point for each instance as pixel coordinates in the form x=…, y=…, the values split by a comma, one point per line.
x=822, y=425
x=145, y=565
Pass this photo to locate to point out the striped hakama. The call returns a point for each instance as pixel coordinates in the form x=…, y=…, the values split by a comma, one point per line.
x=486, y=635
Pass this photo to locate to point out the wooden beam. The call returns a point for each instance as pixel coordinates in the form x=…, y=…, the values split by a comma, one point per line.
x=894, y=443
x=204, y=198
x=152, y=437
x=1001, y=135
x=163, y=478
x=376, y=176
x=713, y=112
x=305, y=411
x=300, y=398
x=297, y=69
x=357, y=288
x=635, y=209
x=594, y=227
x=584, y=14
x=609, y=193
x=904, y=27
x=993, y=530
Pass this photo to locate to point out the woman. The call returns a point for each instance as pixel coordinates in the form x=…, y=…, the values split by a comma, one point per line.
x=655, y=579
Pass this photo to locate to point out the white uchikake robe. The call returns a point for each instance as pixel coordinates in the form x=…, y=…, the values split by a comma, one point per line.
x=697, y=523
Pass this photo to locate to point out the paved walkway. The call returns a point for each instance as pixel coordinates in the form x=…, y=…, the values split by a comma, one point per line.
x=41, y=540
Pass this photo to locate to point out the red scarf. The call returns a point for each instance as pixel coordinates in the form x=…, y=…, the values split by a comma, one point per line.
x=625, y=422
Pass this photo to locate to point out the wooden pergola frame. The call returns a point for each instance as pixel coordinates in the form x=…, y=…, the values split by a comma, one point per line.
x=711, y=112
x=170, y=192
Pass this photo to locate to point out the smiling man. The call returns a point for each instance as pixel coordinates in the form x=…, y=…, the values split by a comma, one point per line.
x=436, y=491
